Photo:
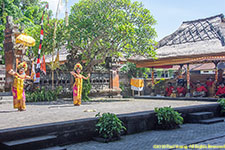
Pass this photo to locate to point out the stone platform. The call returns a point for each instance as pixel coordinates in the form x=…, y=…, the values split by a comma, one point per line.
x=50, y=112
x=62, y=123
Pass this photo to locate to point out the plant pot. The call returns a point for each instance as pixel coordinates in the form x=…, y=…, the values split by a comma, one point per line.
x=103, y=140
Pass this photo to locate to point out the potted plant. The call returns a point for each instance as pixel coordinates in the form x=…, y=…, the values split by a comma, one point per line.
x=222, y=106
x=168, y=118
x=108, y=127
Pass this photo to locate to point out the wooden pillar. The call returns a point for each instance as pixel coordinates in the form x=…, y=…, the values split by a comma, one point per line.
x=188, y=80
x=153, y=82
x=216, y=70
x=180, y=76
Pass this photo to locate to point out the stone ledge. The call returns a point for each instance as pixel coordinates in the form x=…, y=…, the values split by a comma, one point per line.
x=207, y=99
x=80, y=130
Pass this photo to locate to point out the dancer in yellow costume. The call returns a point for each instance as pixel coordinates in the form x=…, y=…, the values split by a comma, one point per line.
x=77, y=87
x=19, y=97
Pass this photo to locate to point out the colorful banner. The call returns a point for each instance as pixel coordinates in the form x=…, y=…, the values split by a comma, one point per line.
x=43, y=65
x=137, y=84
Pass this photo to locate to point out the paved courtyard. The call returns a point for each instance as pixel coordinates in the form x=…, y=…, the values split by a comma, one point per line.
x=39, y=113
x=189, y=136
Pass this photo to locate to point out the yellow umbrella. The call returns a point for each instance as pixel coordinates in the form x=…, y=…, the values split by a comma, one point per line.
x=26, y=40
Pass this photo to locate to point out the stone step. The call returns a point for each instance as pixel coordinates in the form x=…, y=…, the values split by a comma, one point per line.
x=55, y=148
x=195, y=117
x=5, y=94
x=210, y=121
x=6, y=99
x=31, y=143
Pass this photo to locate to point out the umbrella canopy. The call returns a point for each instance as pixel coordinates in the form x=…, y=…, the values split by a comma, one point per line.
x=26, y=40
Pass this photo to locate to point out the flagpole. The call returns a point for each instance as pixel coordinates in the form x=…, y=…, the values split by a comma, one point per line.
x=66, y=13
x=54, y=42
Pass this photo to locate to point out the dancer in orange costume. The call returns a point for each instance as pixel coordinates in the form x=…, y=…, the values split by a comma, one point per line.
x=77, y=87
x=19, y=97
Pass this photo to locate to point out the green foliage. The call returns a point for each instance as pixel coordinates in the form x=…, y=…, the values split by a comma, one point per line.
x=159, y=72
x=171, y=72
x=122, y=86
x=105, y=28
x=86, y=90
x=47, y=47
x=159, y=81
x=135, y=72
x=26, y=13
x=222, y=104
x=109, y=125
x=168, y=118
x=43, y=95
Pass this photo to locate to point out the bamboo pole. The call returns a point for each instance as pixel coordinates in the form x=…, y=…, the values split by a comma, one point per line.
x=66, y=13
x=54, y=42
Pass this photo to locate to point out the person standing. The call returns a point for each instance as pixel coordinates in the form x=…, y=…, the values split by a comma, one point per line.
x=77, y=87
x=18, y=91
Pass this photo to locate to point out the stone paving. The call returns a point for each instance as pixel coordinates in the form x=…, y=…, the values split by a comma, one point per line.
x=189, y=136
x=45, y=112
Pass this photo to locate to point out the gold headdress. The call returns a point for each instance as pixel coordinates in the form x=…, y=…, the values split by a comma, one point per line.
x=78, y=65
x=22, y=65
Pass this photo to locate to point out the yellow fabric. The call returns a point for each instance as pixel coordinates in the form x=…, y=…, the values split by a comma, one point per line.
x=18, y=93
x=137, y=82
x=20, y=88
x=78, y=91
x=25, y=40
x=15, y=82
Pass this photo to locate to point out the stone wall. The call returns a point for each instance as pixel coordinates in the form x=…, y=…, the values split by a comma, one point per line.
x=125, y=85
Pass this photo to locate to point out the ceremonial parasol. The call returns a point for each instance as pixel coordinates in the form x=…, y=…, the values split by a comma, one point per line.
x=26, y=40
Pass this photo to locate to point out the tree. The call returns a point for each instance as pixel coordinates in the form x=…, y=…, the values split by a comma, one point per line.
x=102, y=28
x=26, y=13
x=134, y=72
x=47, y=47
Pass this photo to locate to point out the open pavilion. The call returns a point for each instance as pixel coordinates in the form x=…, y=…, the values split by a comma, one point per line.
x=197, y=41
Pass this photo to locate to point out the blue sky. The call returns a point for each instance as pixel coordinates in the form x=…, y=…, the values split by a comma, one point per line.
x=170, y=13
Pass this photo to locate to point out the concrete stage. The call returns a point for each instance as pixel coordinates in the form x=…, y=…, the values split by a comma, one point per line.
x=50, y=112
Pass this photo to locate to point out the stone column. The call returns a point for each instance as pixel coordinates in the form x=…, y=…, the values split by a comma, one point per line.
x=11, y=32
x=114, y=81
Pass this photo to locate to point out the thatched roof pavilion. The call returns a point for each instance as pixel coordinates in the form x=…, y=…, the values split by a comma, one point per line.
x=195, y=41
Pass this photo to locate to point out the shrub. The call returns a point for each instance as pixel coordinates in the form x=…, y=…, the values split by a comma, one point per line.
x=109, y=126
x=86, y=90
x=222, y=104
x=168, y=118
x=43, y=95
